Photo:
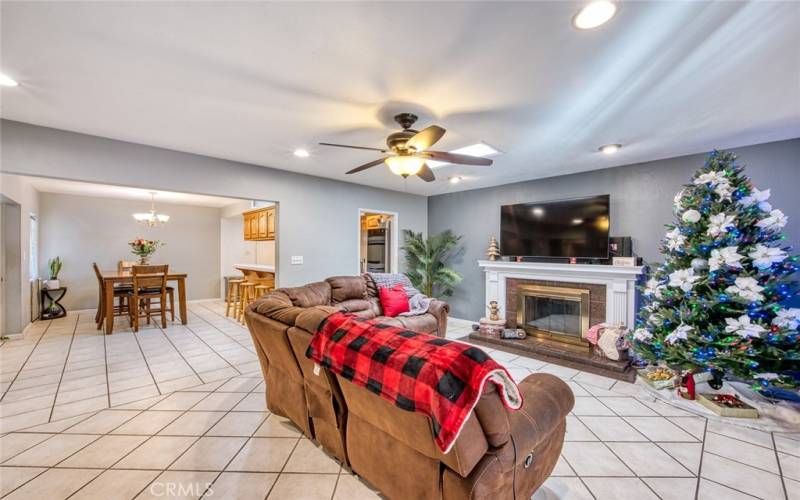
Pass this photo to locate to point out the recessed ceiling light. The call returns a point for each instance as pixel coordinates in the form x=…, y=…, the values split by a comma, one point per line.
x=595, y=14
x=610, y=149
x=301, y=153
x=455, y=179
x=7, y=81
x=577, y=221
x=480, y=149
x=538, y=211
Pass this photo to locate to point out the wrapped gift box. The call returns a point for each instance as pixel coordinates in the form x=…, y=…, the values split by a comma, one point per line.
x=727, y=405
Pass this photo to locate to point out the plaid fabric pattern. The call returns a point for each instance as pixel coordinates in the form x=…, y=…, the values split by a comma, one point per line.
x=439, y=378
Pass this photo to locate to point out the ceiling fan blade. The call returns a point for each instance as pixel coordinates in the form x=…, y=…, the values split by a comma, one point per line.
x=426, y=174
x=352, y=147
x=456, y=158
x=366, y=166
x=425, y=138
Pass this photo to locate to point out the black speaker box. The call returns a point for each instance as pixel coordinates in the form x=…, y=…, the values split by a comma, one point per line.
x=620, y=246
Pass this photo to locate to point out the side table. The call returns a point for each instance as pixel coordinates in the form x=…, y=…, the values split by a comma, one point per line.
x=51, y=303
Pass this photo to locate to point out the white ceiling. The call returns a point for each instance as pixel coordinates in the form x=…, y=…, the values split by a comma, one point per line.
x=48, y=185
x=252, y=81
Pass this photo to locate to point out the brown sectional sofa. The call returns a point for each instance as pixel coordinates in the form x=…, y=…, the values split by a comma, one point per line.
x=500, y=454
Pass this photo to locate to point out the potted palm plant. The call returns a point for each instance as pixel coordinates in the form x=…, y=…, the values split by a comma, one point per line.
x=426, y=260
x=55, y=265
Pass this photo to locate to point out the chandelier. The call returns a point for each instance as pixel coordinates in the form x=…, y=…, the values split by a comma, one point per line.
x=151, y=218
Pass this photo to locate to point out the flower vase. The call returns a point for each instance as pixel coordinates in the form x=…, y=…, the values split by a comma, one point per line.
x=144, y=260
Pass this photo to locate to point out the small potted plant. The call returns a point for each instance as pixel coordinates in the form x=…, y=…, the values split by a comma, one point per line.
x=144, y=249
x=55, y=265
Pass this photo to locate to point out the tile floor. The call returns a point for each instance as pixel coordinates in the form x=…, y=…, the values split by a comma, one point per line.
x=179, y=413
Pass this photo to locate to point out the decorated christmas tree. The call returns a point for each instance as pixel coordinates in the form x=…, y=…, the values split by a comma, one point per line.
x=717, y=303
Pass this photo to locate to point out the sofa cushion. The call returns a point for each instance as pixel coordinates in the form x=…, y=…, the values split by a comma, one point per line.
x=347, y=287
x=313, y=294
x=394, y=301
x=354, y=305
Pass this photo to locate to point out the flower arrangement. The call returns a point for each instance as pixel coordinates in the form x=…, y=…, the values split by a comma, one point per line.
x=144, y=248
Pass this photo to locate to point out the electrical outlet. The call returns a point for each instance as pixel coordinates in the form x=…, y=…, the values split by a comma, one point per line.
x=297, y=260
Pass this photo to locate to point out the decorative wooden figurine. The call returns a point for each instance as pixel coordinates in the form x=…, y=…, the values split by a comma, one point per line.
x=494, y=310
x=493, y=252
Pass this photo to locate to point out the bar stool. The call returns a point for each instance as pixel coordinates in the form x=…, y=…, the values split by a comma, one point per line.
x=232, y=296
x=246, y=295
x=262, y=290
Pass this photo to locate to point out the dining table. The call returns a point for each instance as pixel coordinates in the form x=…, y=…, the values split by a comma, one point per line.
x=111, y=278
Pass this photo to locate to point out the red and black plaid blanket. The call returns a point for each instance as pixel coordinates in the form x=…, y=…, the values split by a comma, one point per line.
x=440, y=378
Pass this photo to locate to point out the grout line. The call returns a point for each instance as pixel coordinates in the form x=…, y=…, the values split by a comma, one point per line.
x=135, y=337
x=27, y=358
x=66, y=360
x=780, y=468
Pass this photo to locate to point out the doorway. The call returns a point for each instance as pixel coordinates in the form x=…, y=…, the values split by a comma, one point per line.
x=377, y=241
x=10, y=266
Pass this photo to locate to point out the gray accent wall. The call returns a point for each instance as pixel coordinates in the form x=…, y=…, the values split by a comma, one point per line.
x=317, y=218
x=86, y=229
x=641, y=203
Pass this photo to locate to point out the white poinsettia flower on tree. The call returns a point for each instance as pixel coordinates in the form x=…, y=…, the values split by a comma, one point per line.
x=683, y=279
x=776, y=220
x=720, y=224
x=746, y=288
x=787, y=318
x=679, y=333
x=742, y=327
x=653, y=288
x=764, y=256
x=766, y=376
x=691, y=216
x=727, y=256
x=724, y=191
x=677, y=200
x=713, y=178
x=675, y=239
x=757, y=197
x=642, y=335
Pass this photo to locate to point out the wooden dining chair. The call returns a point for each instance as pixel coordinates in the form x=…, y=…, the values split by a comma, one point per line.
x=149, y=283
x=125, y=265
x=120, y=293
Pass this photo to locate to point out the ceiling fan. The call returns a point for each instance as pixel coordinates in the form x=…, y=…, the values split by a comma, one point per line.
x=408, y=151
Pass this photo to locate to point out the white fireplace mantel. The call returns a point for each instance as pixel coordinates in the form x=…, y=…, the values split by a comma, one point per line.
x=620, y=283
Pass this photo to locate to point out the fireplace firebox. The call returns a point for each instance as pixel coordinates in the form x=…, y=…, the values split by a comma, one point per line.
x=555, y=313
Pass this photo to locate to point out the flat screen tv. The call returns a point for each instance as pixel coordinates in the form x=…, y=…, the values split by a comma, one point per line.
x=565, y=228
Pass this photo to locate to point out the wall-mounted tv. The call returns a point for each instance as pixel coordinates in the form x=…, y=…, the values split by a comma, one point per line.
x=563, y=229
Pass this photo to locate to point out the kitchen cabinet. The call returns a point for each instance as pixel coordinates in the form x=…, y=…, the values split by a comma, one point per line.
x=259, y=224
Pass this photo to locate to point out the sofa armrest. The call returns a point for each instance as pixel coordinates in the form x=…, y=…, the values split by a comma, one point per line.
x=440, y=309
x=547, y=401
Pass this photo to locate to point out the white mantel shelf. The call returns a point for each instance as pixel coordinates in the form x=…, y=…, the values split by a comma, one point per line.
x=620, y=282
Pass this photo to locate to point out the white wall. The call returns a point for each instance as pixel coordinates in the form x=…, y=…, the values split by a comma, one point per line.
x=86, y=229
x=27, y=197
x=317, y=218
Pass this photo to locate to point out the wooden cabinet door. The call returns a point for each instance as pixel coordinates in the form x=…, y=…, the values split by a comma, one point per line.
x=253, y=226
x=262, y=224
x=270, y=224
x=246, y=225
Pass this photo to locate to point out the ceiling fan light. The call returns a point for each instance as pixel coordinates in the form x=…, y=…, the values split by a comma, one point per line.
x=404, y=165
